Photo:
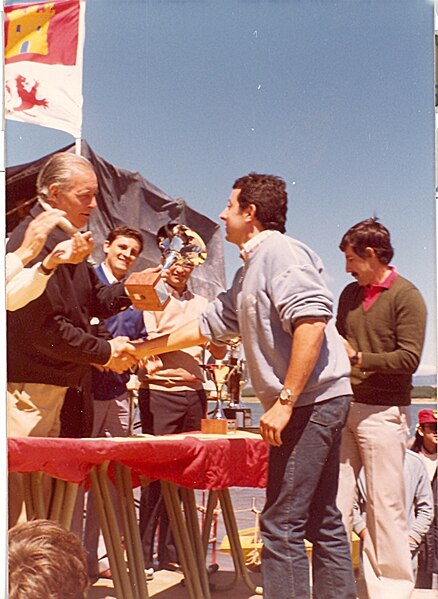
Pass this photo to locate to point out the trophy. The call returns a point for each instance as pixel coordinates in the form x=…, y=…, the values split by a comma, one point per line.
x=219, y=374
x=178, y=244
x=236, y=380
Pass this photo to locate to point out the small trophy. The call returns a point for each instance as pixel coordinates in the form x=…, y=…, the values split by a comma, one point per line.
x=236, y=380
x=219, y=374
x=178, y=244
x=217, y=422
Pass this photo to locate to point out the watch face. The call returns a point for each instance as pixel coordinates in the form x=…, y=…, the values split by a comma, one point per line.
x=285, y=394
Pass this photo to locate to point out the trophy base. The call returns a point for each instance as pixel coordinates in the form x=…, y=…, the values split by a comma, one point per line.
x=211, y=426
x=147, y=291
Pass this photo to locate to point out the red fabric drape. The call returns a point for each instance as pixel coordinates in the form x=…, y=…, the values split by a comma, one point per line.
x=188, y=460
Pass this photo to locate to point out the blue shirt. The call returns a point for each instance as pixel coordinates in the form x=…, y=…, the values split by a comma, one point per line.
x=128, y=323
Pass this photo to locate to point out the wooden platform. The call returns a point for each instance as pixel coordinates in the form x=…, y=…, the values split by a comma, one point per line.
x=167, y=585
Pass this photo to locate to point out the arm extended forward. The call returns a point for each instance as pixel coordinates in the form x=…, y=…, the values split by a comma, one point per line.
x=188, y=335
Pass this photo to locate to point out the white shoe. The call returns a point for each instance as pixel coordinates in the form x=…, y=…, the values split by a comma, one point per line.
x=149, y=573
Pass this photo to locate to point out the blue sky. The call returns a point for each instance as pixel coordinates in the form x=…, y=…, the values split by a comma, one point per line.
x=337, y=97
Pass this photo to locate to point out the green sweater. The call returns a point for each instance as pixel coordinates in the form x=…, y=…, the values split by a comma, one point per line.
x=390, y=335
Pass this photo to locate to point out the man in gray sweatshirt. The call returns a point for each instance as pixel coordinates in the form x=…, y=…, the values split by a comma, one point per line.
x=281, y=308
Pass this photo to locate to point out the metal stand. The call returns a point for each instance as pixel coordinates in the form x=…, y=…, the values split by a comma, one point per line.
x=126, y=586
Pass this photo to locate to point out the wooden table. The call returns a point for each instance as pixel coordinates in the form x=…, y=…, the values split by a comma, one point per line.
x=182, y=463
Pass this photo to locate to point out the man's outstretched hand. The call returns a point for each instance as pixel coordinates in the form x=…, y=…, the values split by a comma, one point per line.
x=122, y=355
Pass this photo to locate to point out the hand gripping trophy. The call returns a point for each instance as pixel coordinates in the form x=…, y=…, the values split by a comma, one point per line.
x=177, y=243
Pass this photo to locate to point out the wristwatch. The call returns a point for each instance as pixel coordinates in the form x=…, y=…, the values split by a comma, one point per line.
x=46, y=271
x=286, y=397
x=354, y=360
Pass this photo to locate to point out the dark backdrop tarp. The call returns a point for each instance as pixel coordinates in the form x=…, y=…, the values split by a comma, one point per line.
x=127, y=198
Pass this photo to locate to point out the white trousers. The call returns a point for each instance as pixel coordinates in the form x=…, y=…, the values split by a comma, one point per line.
x=375, y=437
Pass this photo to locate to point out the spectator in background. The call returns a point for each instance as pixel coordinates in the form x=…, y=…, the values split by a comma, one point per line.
x=26, y=284
x=171, y=400
x=418, y=501
x=50, y=342
x=111, y=405
x=425, y=445
x=46, y=561
x=382, y=318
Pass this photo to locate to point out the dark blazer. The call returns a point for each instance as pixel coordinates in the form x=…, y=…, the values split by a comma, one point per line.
x=50, y=340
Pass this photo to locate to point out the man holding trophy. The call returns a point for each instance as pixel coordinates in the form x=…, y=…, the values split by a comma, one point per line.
x=171, y=397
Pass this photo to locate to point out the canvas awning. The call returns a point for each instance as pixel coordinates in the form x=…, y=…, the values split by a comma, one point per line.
x=126, y=198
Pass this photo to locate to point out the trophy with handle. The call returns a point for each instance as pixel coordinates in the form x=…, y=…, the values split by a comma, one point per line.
x=178, y=244
x=219, y=374
x=237, y=378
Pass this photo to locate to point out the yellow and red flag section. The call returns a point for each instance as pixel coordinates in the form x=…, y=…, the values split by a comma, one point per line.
x=43, y=63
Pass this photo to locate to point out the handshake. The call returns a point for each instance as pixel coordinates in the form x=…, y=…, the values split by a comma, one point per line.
x=124, y=354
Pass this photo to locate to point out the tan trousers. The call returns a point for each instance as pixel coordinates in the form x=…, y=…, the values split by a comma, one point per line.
x=375, y=437
x=33, y=411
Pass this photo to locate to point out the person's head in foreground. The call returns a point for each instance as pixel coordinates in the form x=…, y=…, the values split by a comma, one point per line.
x=46, y=561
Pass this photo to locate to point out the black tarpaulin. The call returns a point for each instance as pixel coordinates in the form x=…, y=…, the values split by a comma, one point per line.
x=126, y=198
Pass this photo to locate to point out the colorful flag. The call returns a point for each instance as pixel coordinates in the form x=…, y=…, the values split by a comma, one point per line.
x=43, y=63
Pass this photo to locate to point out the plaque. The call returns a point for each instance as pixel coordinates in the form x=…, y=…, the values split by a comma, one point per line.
x=147, y=291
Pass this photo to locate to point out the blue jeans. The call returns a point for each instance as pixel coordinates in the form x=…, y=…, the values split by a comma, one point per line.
x=301, y=504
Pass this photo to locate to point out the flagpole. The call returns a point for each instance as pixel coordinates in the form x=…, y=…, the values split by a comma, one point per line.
x=435, y=21
x=81, y=41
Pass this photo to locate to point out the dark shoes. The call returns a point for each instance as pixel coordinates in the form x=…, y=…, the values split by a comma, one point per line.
x=104, y=574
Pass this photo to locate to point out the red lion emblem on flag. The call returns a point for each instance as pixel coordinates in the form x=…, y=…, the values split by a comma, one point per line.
x=21, y=95
x=43, y=54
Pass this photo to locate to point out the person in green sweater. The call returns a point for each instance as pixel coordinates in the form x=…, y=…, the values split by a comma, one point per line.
x=382, y=318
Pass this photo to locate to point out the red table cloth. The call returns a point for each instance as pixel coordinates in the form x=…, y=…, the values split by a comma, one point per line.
x=195, y=461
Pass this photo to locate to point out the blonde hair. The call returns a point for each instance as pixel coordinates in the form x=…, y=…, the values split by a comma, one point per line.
x=46, y=561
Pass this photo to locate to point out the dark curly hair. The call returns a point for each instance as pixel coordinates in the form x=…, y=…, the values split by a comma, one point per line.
x=269, y=196
x=369, y=233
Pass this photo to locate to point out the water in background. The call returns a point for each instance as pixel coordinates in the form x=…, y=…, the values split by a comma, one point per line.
x=257, y=411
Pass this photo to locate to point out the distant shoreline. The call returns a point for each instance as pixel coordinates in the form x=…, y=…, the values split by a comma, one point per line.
x=432, y=400
x=425, y=400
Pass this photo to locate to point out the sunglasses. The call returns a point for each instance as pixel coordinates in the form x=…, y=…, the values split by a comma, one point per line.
x=429, y=427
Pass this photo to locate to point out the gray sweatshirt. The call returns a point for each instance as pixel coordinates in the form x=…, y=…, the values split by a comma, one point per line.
x=418, y=497
x=280, y=283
